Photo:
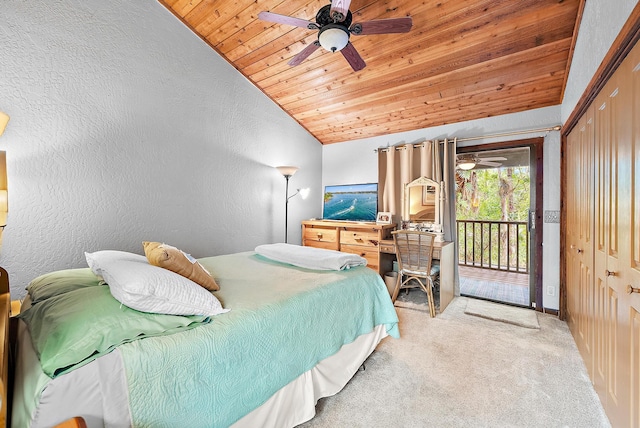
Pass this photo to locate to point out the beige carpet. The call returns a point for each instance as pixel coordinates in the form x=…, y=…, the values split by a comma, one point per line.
x=504, y=313
x=458, y=370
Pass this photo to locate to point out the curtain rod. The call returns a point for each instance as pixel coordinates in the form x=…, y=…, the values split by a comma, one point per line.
x=482, y=137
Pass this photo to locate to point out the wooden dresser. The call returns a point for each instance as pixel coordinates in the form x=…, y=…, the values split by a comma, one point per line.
x=360, y=238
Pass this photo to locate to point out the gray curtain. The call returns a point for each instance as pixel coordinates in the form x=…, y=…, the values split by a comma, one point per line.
x=400, y=165
x=449, y=209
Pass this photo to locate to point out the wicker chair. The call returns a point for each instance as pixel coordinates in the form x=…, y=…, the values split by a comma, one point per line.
x=414, y=252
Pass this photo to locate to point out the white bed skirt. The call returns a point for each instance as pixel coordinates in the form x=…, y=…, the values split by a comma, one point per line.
x=97, y=391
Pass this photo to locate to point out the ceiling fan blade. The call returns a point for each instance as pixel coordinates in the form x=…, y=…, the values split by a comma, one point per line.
x=304, y=53
x=353, y=57
x=383, y=26
x=496, y=158
x=339, y=9
x=288, y=20
x=487, y=163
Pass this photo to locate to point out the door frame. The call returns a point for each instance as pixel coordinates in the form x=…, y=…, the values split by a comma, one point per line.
x=536, y=175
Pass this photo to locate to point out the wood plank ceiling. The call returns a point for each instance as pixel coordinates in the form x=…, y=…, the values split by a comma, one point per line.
x=462, y=60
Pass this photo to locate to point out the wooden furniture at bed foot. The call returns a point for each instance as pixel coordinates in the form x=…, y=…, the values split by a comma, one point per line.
x=77, y=422
x=5, y=305
x=360, y=238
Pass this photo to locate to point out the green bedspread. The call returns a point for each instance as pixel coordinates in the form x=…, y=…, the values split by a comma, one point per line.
x=283, y=321
x=78, y=320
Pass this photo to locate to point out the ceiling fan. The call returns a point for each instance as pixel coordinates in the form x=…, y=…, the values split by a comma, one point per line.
x=333, y=22
x=469, y=161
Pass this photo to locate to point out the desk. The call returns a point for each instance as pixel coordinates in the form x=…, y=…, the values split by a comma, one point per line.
x=442, y=251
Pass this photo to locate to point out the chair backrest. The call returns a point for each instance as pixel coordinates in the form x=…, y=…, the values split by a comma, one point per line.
x=414, y=250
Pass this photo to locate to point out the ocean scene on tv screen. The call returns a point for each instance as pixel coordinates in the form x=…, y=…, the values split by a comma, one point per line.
x=356, y=202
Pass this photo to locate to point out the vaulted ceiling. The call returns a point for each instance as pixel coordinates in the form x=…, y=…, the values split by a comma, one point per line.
x=461, y=60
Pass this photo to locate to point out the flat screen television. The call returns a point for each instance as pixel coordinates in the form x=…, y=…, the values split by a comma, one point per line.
x=352, y=202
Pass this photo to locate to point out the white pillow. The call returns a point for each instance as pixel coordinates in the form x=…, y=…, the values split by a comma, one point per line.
x=147, y=288
x=109, y=256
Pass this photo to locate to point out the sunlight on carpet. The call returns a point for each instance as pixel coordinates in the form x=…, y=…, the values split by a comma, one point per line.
x=494, y=311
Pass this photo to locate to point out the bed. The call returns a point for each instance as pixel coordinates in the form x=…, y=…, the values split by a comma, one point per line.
x=288, y=336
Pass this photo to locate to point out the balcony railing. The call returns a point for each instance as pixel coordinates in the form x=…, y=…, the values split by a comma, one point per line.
x=498, y=245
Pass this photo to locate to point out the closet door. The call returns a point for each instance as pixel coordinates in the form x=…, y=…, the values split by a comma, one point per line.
x=584, y=244
x=580, y=182
x=601, y=242
x=571, y=156
x=585, y=239
x=616, y=258
x=631, y=275
x=605, y=298
x=603, y=267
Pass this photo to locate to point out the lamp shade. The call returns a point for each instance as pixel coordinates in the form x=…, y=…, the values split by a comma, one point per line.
x=287, y=171
x=333, y=38
x=4, y=119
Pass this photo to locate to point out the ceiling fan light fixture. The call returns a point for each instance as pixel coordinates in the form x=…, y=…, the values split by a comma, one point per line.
x=466, y=165
x=467, y=161
x=333, y=37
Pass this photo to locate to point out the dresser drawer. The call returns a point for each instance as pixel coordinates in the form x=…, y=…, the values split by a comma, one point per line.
x=359, y=237
x=387, y=248
x=371, y=254
x=321, y=244
x=319, y=234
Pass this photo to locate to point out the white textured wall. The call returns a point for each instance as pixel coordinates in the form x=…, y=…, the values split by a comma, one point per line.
x=356, y=162
x=551, y=231
x=126, y=127
x=601, y=23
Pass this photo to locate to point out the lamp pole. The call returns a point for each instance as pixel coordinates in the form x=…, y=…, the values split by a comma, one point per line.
x=287, y=172
x=286, y=208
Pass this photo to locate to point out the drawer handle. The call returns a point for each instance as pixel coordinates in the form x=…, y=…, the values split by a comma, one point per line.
x=609, y=273
x=319, y=235
x=363, y=254
x=631, y=289
x=579, y=251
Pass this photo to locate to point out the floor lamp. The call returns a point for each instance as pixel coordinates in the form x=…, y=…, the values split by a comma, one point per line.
x=5, y=291
x=287, y=172
x=4, y=206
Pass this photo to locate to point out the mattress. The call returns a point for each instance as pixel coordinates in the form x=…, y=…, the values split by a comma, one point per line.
x=107, y=393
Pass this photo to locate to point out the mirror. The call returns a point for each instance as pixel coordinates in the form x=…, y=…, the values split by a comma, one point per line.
x=421, y=204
